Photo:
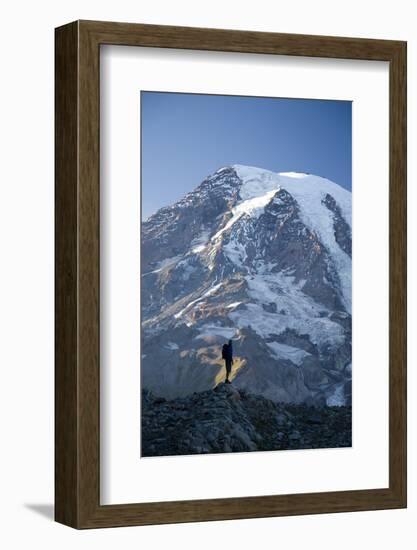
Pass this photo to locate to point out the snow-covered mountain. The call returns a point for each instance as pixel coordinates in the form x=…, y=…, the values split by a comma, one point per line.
x=264, y=259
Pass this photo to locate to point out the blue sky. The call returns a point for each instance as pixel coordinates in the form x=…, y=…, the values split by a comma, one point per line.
x=186, y=137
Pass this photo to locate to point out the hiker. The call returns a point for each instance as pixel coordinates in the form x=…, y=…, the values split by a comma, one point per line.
x=227, y=355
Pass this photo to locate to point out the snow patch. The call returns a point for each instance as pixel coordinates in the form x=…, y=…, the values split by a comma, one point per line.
x=172, y=346
x=163, y=264
x=209, y=292
x=293, y=174
x=295, y=310
x=282, y=351
x=252, y=207
x=199, y=243
x=235, y=251
x=216, y=330
x=337, y=399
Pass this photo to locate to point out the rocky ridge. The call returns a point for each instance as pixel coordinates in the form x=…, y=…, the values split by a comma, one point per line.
x=226, y=419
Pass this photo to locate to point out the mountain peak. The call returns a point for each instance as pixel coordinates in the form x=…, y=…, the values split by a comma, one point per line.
x=260, y=257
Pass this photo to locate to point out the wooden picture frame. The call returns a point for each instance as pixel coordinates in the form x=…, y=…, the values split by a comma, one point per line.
x=77, y=374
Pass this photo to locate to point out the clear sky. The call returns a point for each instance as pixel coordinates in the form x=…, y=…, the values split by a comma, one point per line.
x=186, y=137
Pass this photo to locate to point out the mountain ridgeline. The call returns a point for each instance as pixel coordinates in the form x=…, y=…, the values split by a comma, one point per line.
x=264, y=259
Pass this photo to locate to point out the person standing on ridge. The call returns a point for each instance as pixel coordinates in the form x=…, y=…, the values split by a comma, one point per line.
x=227, y=355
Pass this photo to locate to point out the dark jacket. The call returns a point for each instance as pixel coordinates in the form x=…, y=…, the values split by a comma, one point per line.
x=227, y=352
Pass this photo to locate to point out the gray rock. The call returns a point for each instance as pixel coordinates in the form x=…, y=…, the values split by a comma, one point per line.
x=270, y=308
x=213, y=422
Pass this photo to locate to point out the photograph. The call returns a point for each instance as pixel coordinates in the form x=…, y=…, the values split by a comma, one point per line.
x=246, y=274
x=208, y=240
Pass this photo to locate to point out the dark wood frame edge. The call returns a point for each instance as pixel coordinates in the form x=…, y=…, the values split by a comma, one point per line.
x=77, y=380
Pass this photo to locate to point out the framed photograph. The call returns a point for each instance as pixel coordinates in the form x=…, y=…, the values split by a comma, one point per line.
x=230, y=274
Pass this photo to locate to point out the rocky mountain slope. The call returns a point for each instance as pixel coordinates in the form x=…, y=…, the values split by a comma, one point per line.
x=259, y=257
x=229, y=420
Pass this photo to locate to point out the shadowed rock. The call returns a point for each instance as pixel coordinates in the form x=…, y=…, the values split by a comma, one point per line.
x=230, y=420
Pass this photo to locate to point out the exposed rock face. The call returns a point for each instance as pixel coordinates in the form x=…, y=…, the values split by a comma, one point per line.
x=229, y=420
x=264, y=259
x=342, y=232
